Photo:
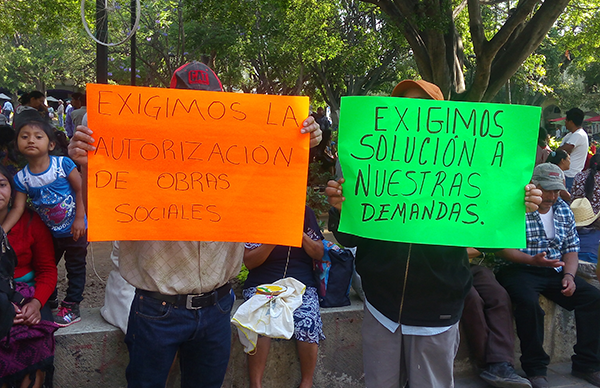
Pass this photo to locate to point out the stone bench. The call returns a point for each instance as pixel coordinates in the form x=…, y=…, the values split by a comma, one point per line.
x=92, y=353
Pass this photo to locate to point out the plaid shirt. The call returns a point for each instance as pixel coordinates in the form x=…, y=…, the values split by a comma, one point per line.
x=565, y=239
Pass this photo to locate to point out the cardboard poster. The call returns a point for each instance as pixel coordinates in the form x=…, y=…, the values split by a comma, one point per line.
x=189, y=165
x=436, y=172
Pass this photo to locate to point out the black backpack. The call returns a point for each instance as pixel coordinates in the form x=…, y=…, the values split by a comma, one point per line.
x=8, y=294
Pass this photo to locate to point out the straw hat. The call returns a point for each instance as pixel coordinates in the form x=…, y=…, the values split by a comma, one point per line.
x=583, y=212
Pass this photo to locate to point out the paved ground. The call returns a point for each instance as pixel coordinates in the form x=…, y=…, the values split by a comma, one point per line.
x=559, y=376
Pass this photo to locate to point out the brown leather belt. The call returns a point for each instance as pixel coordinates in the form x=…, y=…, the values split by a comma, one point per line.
x=190, y=301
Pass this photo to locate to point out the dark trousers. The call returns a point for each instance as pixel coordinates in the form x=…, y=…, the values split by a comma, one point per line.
x=524, y=285
x=74, y=253
x=487, y=319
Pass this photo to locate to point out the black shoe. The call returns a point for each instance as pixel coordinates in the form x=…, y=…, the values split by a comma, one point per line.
x=503, y=375
x=591, y=377
x=538, y=381
x=52, y=303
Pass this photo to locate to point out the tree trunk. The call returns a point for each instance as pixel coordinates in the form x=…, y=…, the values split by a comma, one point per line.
x=428, y=26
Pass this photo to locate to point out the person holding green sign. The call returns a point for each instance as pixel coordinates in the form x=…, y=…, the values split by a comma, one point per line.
x=414, y=293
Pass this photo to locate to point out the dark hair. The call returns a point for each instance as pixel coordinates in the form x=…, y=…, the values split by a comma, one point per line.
x=590, y=181
x=542, y=137
x=575, y=115
x=557, y=156
x=62, y=143
x=25, y=98
x=41, y=124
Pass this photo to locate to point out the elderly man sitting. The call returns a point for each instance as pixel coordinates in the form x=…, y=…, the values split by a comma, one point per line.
x=547, y=266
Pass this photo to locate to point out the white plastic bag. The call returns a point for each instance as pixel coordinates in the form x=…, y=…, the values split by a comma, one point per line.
x=269, y=316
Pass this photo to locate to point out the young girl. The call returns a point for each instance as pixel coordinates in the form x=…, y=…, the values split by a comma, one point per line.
x=54, y=186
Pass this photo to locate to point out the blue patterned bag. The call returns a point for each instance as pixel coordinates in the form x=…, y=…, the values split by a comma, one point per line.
x=333, y=273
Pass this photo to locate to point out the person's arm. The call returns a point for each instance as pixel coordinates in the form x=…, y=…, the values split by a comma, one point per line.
x=539, y=260
x=78, y=227
x=568, y=148
x=15, y=213
x=256, y=257
x=313, y=248
x=571, y=260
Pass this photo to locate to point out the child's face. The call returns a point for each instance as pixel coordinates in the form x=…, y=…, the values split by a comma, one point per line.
x=33, y=141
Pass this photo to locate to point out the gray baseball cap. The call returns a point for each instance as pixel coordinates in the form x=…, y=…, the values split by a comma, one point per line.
x=548, y=176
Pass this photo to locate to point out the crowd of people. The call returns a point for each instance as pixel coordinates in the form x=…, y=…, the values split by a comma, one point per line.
x=416, y=295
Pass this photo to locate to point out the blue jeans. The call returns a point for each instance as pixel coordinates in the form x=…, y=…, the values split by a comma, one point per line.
x=157, y=330
x=75, y=253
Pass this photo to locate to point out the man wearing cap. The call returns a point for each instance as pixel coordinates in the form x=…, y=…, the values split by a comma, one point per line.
x=548, y=266
x=414, y=294
x=183, y=298
x=575, y=143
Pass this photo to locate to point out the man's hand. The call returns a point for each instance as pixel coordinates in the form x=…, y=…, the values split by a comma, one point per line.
x=533, y=197
x=80, y=144
x=311, y=126
x=334, y=193
x=541, y=261
x=568, y=283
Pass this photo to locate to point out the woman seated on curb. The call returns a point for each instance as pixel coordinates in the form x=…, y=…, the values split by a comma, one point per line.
x=27, y=353
x=269, y=263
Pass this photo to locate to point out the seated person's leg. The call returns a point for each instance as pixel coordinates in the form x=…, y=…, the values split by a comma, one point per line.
x=523, y=287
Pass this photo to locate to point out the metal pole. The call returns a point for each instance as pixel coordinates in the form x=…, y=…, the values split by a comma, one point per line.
x=133, y=44
x=101, y=50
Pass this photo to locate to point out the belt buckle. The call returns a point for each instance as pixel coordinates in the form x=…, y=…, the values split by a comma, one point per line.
x=190, y=300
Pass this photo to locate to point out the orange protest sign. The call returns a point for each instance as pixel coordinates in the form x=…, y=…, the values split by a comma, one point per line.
x=189, y=165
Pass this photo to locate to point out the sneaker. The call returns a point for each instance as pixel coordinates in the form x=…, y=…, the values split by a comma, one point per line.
x=68, y=313
x=538, y=381
x=503, y=375
x=591, y=377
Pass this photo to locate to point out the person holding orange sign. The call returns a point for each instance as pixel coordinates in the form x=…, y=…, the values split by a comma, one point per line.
x=183, y=298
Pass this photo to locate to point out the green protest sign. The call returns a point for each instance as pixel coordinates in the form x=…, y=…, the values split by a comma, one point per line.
x=436, y=172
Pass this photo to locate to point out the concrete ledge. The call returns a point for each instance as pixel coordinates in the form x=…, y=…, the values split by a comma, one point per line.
x=92, y=354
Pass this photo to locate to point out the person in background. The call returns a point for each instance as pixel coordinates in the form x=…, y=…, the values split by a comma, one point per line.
x=563, y=160
x=587, y=185
x=77, y=115
x=575, y=143
x=589, y=237
x=267, y=264
x=73, y=105
x=60, y=112
x=542, y=149
x=27, y=353
x=7, y=109
x=33, y=106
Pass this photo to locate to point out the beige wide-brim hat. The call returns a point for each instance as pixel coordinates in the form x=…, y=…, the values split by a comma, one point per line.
x=583, y=212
